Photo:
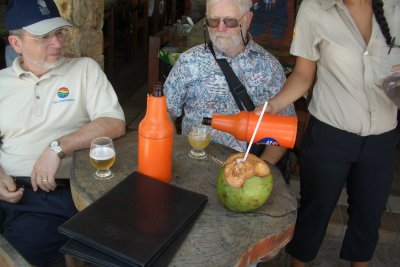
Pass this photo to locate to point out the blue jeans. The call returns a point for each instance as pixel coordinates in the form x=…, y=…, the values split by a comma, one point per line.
x=31, y=225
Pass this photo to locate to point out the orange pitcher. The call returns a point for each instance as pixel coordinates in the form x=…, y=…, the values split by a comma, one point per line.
x=274, y=130
x=156, y=138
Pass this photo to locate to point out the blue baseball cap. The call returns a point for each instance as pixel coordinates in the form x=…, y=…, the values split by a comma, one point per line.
x=37, y=17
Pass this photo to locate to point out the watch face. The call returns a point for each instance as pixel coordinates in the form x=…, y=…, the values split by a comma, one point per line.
x=54, y=144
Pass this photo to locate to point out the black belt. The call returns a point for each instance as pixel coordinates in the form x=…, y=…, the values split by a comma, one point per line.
x=23, y=181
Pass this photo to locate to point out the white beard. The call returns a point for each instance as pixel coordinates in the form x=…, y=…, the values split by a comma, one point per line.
x=44, y=65
x=226, y=43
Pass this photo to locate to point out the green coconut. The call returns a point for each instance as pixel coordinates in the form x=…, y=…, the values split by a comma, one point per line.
x=244, y=186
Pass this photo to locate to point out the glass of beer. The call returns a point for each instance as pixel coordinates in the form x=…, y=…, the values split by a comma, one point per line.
x=199, y=137
x=102, y=157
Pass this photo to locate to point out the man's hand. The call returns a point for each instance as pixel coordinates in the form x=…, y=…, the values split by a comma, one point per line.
x=44, y=171
x=8, y=189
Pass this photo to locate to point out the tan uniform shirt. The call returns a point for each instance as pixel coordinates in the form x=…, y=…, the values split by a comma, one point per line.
x=349, y=71
x=34, y=111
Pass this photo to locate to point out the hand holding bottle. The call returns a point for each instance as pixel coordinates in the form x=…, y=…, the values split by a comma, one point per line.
x=268, y=109
x=275, y=130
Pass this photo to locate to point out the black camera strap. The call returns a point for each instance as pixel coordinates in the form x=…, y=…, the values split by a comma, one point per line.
x=244, y=102
x=242, y=99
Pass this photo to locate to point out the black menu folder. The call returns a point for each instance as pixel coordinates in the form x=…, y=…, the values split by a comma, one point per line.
x=91, y=255
x=136, y=221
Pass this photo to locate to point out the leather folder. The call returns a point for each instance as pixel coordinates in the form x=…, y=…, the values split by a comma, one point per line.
x=91, y=255
x=94, y=256
x=136, y=221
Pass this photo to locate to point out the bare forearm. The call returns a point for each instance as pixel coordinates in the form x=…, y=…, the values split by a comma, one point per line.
x=2, y=173
x=81, y=139
x=273, y=154
x=297, y=84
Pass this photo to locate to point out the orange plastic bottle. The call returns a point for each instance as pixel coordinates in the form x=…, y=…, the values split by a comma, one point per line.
x=274, y=130
x=156, y=133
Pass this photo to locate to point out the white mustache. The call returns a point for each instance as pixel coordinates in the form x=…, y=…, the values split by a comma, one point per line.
x=222, y=35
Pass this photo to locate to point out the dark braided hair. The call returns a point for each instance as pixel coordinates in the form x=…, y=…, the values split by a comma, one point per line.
x=377, y=7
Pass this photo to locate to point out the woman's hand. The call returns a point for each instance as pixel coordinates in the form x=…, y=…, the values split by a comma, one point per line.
x=269, y=109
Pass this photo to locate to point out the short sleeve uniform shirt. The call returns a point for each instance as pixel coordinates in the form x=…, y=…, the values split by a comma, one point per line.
x=347, y=93
x=34, y=111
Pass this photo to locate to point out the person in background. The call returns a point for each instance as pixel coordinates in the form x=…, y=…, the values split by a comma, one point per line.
x=197, y=85
x=10, y=55
x=351, y=136
x=50, y=106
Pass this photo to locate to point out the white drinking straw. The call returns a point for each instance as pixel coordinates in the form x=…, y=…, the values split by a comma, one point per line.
x=255, y=130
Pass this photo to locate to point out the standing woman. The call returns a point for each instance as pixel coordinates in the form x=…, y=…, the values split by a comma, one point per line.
x=347, y=47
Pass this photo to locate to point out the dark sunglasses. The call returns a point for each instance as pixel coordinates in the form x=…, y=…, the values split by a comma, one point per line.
x=229, y=22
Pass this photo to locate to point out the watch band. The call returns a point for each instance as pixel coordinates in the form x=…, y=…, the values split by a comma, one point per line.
x=55, y=146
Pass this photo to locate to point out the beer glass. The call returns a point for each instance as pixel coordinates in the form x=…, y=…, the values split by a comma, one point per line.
x=199, y=137
x=102, y=157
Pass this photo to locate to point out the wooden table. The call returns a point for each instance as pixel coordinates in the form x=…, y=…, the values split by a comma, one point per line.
x=219, y=237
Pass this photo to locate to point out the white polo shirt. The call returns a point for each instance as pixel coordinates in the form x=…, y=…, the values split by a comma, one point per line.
x=349, y=71
x=34, y=111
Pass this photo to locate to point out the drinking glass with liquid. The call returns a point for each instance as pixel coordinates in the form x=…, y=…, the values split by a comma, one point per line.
x=102, y=157
x=199, y=138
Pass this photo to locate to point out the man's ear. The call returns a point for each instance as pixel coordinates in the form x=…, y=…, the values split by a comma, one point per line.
x=15, y=42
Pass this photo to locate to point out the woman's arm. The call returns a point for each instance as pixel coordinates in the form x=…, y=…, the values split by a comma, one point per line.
x=297, y=84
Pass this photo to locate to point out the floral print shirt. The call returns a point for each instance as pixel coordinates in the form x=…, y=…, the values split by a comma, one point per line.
x=196, y=85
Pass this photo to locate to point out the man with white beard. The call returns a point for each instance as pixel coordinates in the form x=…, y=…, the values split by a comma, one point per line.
x=50, y=106
x=197, y=85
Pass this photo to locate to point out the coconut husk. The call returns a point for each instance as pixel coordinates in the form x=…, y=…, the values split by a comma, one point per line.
x=237, y=171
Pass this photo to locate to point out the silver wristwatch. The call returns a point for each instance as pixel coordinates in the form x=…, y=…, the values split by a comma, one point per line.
x=55, y=146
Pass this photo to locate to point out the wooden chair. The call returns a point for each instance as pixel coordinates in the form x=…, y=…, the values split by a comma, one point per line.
x=9, y=256
x=157, y=18
x=122, y=28
x=139, y=24
x=170, y=12
x=156, y=41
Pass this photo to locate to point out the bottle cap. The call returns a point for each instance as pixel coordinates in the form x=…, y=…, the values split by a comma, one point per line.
x=206, y=121
x=158, y=91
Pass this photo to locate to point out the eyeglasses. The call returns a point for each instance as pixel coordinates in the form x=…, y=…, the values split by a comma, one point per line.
x=393, y=45
x=229, y=22
x=45, y=39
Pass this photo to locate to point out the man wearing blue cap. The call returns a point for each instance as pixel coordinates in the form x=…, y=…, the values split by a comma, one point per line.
x=50, y=106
